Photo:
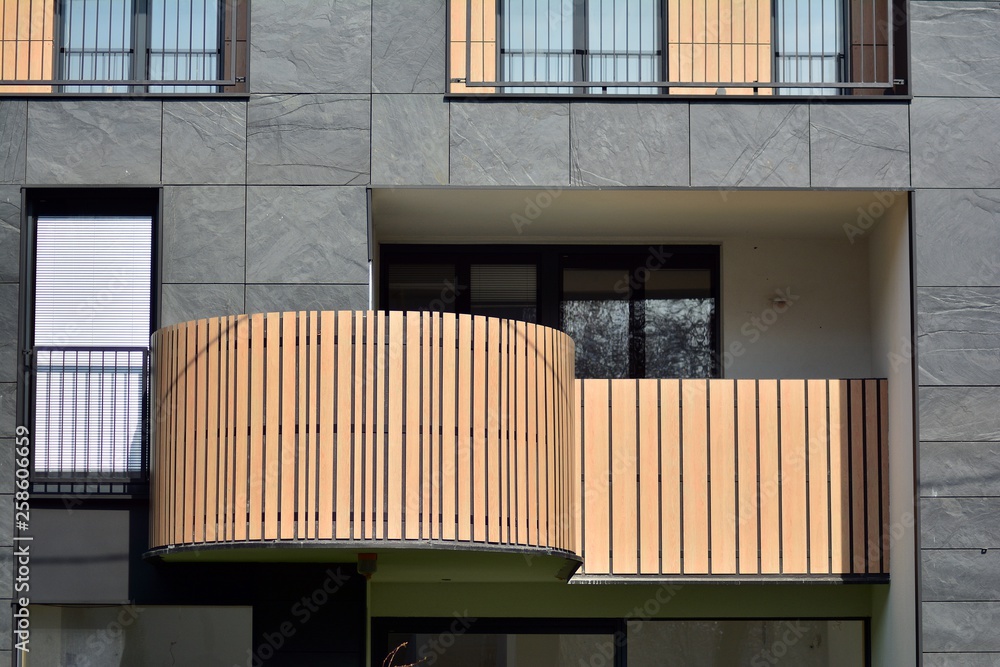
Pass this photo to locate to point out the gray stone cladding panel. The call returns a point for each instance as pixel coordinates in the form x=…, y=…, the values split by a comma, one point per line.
x=13, y=140
x=960, y=574
x=309, y=139
x=307, y=235
x=409, y=140
x=6, y=521
x=7, y=466
x=954, y=143
x=629, y=144
x=8, y=407
x=8, y=332
x=311, y=46
x=961, y=659
x=93, y=142
x=959, y=414
x=509, y=143
x=204, y=141
x=280, y=298
x=6, y=573
x=750, y=145
x=959, y=469
x=960, y=523
x=182, y=303
x=408, y=46
x=957, y=236
x=961, y=627
x=958, y=335
x=10, y=233
x=204, y=234
x=954, y=47
x=860, y=145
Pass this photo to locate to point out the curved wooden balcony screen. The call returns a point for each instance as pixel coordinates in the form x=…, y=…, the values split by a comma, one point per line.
x=733, y=477
x=363, y=426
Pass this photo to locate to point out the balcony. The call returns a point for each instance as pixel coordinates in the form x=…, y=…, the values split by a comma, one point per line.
x=75, y=46
x=323, y=435
x=678, y=47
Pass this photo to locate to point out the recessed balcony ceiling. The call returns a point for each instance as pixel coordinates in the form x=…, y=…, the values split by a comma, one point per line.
x=422, y=215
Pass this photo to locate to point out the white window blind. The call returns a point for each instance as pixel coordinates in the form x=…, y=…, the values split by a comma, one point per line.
x=92, y=320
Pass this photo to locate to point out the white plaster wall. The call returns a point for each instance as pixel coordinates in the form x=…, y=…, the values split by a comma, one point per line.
x=894, y=629
x=825, y=330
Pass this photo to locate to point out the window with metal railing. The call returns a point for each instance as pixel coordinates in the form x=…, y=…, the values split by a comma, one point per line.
x=759, y=47
x=123, y=46
x=89, y=360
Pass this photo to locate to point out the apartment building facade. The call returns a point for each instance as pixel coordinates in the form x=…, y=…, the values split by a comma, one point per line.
x=623, y=332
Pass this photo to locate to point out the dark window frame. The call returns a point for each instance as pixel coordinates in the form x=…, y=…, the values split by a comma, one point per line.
x=550, y=261
x=80, y=201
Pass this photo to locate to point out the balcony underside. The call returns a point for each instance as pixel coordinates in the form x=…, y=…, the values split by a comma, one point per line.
x=418, y=437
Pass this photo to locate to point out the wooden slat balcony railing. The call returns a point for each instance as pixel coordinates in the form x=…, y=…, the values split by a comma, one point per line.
x=327, y=428
x=734, y=477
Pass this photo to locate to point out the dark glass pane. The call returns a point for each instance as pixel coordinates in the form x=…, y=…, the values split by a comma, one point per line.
x=678, y=311
x=430, y=287
x=500, y=649
x=504, y=290
x=595, y=314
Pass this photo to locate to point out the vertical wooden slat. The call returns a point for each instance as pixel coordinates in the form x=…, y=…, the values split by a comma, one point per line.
x=343, y=434
x=288, y=403
x=464, y=467
x=449, y=462
x=190, y=430
x=723, y=475
x=256, y=449
x=479, y=417
x=623, y=477
x=506, y=424
x=229, y=485
x=327, y=378
x=670, y=469
x=840, y=477
x=271, y=433
x=819, y=450
x=596, y=446
x=359, y=388
x=518, y=477
x=429, y=392
x=382, y=409
x=857, y=476
x=394, y=446
x=695, y=476
x=579, y=481
x=746, y=446
x=770, y=482
x=883, y=387
x=794, y=524
x=307, y=369
x=493, y=429
x=544, y=442
x=528, y=514
x=411, y=463
x=371, y=424
x=212, y=444
x=648, y=505
x=873, y=539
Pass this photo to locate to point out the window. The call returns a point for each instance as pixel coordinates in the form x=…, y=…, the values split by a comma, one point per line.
x=633, y=312
x=89, y=46
x=181, y=41
x=497, y=642
x=799, y=47
x=91, y=304
x=566, y=40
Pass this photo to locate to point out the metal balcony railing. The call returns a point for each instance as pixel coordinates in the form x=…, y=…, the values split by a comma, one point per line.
x=765, y=47
x=122, y=46
x=91, y=416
